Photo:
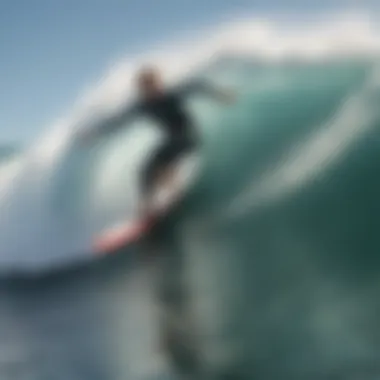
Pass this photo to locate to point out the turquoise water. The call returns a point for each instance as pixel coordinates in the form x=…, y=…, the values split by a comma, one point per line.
x=275, y=250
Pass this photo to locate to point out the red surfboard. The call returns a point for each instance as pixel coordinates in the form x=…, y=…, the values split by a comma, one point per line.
x=121, y=235
x=130, y=231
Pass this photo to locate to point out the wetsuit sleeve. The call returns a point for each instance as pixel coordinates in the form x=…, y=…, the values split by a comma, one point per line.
x=121, y=119
x=114, y=122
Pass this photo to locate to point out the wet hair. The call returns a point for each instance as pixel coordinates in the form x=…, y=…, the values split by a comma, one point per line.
x=147, y=75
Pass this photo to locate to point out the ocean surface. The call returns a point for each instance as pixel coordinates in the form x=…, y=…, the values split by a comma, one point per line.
x=271, y=264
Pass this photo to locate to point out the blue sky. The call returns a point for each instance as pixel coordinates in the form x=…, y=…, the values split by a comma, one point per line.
x=52, y=49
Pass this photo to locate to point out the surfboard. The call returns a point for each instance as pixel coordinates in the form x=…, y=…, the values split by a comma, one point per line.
x=129, y=231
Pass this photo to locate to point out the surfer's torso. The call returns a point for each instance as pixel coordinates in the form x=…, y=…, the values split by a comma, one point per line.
x=168, y=111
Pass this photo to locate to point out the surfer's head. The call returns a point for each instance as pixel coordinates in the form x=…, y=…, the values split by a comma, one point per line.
x=149, y=82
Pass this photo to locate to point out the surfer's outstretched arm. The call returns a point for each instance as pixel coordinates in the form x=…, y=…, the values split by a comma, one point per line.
x=110, y=124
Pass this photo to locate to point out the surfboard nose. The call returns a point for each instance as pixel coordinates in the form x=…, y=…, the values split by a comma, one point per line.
x=115, y=238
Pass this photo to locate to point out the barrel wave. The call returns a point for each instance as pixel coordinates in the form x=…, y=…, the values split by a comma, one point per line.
x=293, y=125
x=278, y=240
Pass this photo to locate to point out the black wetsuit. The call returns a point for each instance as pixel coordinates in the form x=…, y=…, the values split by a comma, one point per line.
x=169, y=112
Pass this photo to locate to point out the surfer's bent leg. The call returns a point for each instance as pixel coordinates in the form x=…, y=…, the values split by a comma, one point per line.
x=172, y=153
x=160, y=168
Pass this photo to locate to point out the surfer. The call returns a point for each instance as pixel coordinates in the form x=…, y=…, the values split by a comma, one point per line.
x=166, y=107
